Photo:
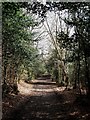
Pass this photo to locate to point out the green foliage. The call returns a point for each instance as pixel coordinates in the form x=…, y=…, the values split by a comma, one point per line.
x=20, y=57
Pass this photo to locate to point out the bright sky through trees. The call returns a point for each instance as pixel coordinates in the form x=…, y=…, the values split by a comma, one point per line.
x=45, y=44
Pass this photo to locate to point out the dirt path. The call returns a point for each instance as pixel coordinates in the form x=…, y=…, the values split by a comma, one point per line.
x=43, y=103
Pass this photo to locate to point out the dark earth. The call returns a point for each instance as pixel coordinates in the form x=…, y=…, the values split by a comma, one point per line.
x=49, y=102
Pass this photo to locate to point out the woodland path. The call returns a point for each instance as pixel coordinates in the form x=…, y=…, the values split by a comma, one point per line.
x=47, y=102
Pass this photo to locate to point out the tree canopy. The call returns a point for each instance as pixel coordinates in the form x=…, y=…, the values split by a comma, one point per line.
x=70, y=54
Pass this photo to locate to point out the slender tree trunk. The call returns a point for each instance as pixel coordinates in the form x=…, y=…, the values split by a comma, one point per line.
x=4, y=74
x=78, y=76
x=75, y=75
x=87, y=76
x=4, y=61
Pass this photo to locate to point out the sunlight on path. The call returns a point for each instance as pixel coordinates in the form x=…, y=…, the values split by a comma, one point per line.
x=27, y=89
x=24, y=88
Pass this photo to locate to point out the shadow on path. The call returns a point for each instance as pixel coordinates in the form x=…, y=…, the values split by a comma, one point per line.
x=43, y=83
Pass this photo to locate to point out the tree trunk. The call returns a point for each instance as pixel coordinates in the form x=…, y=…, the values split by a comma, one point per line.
x=87, y=76
x=4, y=74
